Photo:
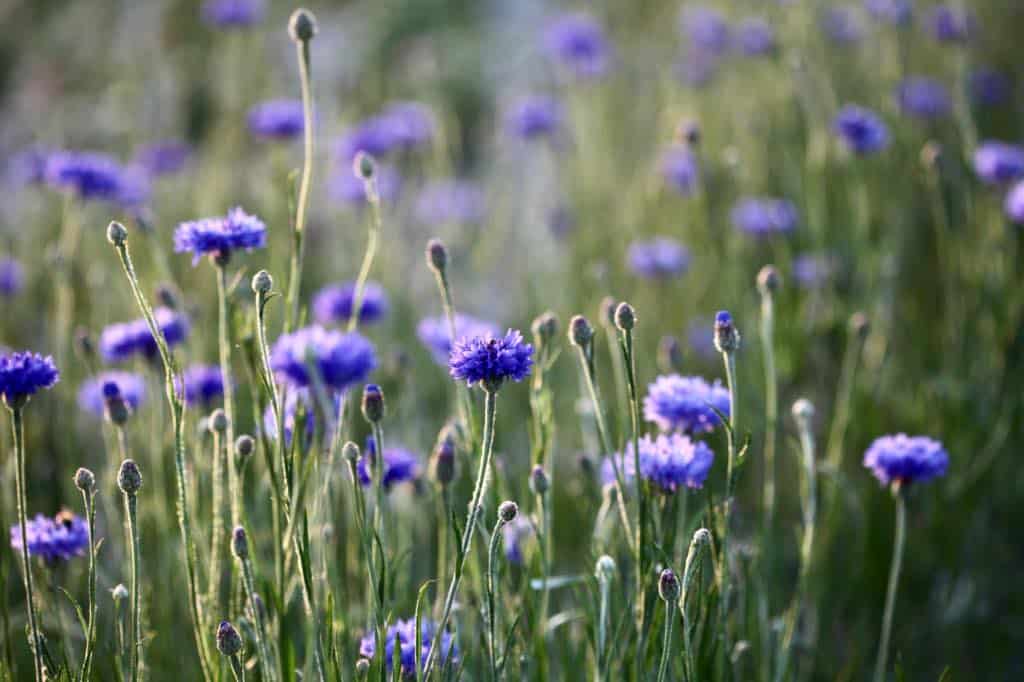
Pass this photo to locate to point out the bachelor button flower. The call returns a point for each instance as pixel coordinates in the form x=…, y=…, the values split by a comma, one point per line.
x=951, y=25
x=905, y=459
x=533, y=117
x=373, y=136
x=923, y=98
x=861, y=130
x=61, y=537
x=659, y=258
x=686, y=404
x=578, y=42
x=706, y=30
x=277, y=119
x=122, y=340
x=514, y=534
x=219, y=236
x=895, y=12
x=298, y=409
x=842, y=25
x=756, y=37
x=1014, y=203
x=433, y=332
x=90, y=175
x=333, y=303
x=670, y=461
x=130, y=387
x=400, y=465
x=812, y=270
x=232, y=13
x=763, y=217
x=23, y=374
x=406, y=125
x=340, y=359
x=998, y=163
x=12, y=277
x=678, y=167
x=490, y=360
x=449, y=201
x=163, y=158
x=403, y=634
x=990, y=87
x=203, y=384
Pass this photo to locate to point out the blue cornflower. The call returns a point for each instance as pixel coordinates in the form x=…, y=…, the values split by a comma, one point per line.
x=895, y=12
x=90, y=175
x=61, y=537
x=345, y=187
x=578, y=42
x=998, y=163
x=951, y=25
x=989, y=87
x=164, y=157
x=514, y=534
x=700, y=338
x=756, y=37
x=400, y=465
x=232, y=13
x=372, y=136
x=219, y=236
x=298, y=408
x=12, y=277
x=706, y=30
x=122, y=340
x=403, y=634
x=842, y=25
x=407, y=125
x=334, y=303
x=1014, y=203
x=533, y=117
x=903, y=459
x=812, y=270
x=23, y=374
x=862, y=131
x=685, y=404
x=203, y=384
x=658, y=258
x=450, y=202
x=277, y=119
x=130, y=387
x=340, y=359
x=489, y=360
x=136, y=187
x=923, y=98
x=670, y=461
x=433, y=332
x=678, y=167
x=763, y=216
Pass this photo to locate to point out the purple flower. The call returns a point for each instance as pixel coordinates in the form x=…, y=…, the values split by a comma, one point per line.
x=400, y=465
x=1014, y=203
x=450, y=201
x=906, y=459
x=277, y=119
x=706, y=30
x=533, y=117
x=659, y=258
x=12, y=277
x=164, y=157
x=136, y=187
x=61, y=537
x=334, y=303
x=756, y=37
x=686, y=404
x=346, y=188
x=700, y=337
x=407, y=125
x=923, y=98
x=678, y=166
x=219, y=236
x=811, y=270
x=862, y=131
x=90, y=175
x=299, y=410
x=842, y=25
x=340, y=359
x=998, y=163
x=403, y=635
x=578, y=42
x=670, y=461
x=203, y=384
x=894, y=12
x=122, y=340
x=514, y=534
x=763, y=216
x=489, y=360
x=989, y=87
x=951, y=25
x=23, y=374
x=433, y=332
x=92, y=395
x=232, y=13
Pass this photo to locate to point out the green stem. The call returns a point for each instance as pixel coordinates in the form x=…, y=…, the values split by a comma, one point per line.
x=463, y=398
x=723, y=558
x=268, y=669
x=295, y=274
x=217, y=533
x=373, y=236
x=890, y=594
x=666, y=649
x=602, y=626
x=131, y=509
x=492, y=550
x=701, y=539
x=90, y=636
x=236, y=668
x=18, y=429
x=641, y=498
x=224, y=344
x=771, y=405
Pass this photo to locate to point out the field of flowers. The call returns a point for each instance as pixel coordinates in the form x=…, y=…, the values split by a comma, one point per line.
x=480, y=340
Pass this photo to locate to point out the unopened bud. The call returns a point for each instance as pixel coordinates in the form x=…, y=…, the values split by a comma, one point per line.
x=768, y=280
x=129, y=479
x=262, y=282
x=668, y=586
x=539, y=481
x=229, y=642
x=437, y=255
x=625, y=317
x=239, y=543
x=85, y=480
x=373, y=403
x=302, y=26
x=507, y=511
x=117, y=234
x=727, y=337
x=580, y=331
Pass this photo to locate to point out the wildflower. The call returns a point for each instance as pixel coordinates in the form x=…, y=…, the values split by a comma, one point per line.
x=675, y=402
x=533, y=117
x=203, y=384
x=861, y=130
x=450, y=201
x=762, y=216
x=164, y=157
x=129, y=478
x=668, y=586
x=514, y=533
x=340, y=359
x=727, y=337
x=277, y=119
x=12, y=277
x=1014, y=203
x=578, y=42
x=433, y=332
x=23, y=374
x=950, y=24
x=895, y=12
x=94, y=393
x=90, y=175
x=333, y=303
x=403, y=635
x=61, y=537
x=488, y=360
x=706, y=30
x=669, y=461
x=659, y=258
x=229, y=642
x=220, y=236
x=122, y=340
x=902, y=459
x=812, y=270
x=407, y=125
x=998, y=163
x=400, y=465
x=232, y=13
x=842, y=25
x=678, y=167
x=298, y=410
x=756, y=37
x=989, y=87
x=372, y=403
x=923, y=98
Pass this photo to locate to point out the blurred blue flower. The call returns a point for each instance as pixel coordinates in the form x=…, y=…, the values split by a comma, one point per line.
x=277, y=119
x=28, y=166
x=92, y=395
x=670, y=461
x=407, y=125
x=220, y=236
x=1014, y=203
x=22, y=374
x=533, y=117
x=812, y=270
x=61, y=537
x=340, y=359
x=122, y=340
x=578, y=42
x=491, y=360
x=445, y=202
x=298, y=405
x=232, y=13
x=333, y=303
x=998, y=163
x=989, y=87
x=904, y=459
x=896, y=12
x=951, y=24
x=400, y=465
x=433, y=332
x=403, y=635
x=764, y=216
x=203, y=385
x=679, y=168
x=685, y=404
x=163, y=157
x=924, y=98
x=706, y=29
x=700, y=338
x=514, y=534
x=658, y=258
x=561, y=221
x=12, y=277
x=90, y=175
x=862, y=131
x=842, y=25
x=756, y=37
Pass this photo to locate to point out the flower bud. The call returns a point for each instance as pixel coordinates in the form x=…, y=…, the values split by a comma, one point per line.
x=727, y=337
x=350, y=451
x=117, y=234
x=239, y=543
x=262, y=282
x=218, y=421
x=931, y=155
x=859, y=325
x=604, y=570
x=437, y=255
x=362, y=668
x=364, y=166
x=668, y=586
x=688, y=132
x=167, y=297
x=539, y=481
x=245, y=445
x=580, y=331
x=507, y=511
x=803, y=413
x=768, y=280
x=373, y=403
x=85, y=480
x=302, y=25
x=84, y=343
x=444, y=458
x=229, y=642
x=625, y=317
x=119, y=592
x=129, y=479
x=545, y=328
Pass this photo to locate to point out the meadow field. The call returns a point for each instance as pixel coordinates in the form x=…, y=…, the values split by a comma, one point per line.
x=637, y=340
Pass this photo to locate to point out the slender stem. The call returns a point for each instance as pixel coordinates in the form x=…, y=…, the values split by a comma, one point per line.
x=666, y=648
x=492, y=551
x=131, y=509
x=372, y=238
x=844, y=394
x=224, y=346
x=378, y=478
x=723, y=558
x=236, y=668
x=463, y=398
x=18, y=429
x=890, y=594
x=771, y=404
x=269, y=672
x=217, y=532
x=90, y=636
x=691, y=571
x=602, y=625
x=295, y=274
x=641, y=498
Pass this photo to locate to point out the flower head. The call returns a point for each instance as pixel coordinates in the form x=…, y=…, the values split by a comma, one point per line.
x=277, y=119
x=23, y=374
x=12, y=277
x=403, y=635
x=232, y=13
x=861, y=130
x=203, y=384
x=670, y=461
x=400, y=465
x=578, y=42
x=163, y=157
x=894, y=12
x=221, y=235
x=94, y=392
x=406, y=125
x=1013, y=205
x=678, y=167
x=923, y=98
x=756, y=37
x=334, y=303
x=122, y=340
x=998, y=163
x=340, y=359
x=450, y=202
x=61, y=537
x=812, y=270
x=763, y=216
x=534, y=117
x=514, y=534
x=706, y=30
x=687, y=404
x=951, y=25
x=90, y=175
x=659, y=258
x=989, y=87
x=433, y=332
x=842, y=25
x=906, y=459
x=489, y=360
